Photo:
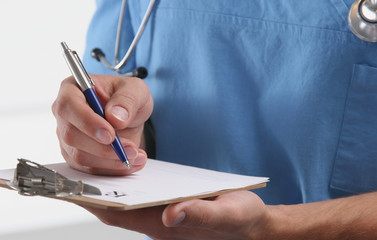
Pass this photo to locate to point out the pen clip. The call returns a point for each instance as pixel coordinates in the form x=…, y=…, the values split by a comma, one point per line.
x=81, y=65
x=31, y=179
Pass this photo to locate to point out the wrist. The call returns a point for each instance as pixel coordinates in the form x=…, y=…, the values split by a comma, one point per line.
x=285, y=222
x=276, y=224
x=342, y=218
x=302, y=221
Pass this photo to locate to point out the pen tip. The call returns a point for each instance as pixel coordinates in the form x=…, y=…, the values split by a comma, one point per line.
x=127, y=164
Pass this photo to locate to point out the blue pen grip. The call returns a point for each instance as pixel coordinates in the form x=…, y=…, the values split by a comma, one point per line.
x=95, y=104
x=93, y=101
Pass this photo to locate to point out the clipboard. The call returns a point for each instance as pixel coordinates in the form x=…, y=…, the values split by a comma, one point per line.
x=159, y=183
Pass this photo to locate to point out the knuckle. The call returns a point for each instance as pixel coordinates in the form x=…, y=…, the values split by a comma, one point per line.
x=66, y=134
x=61, y=104
x=145, y=90
x=140, y=94
x=59, y=107
x=143, y=86
x=237, y=215
x=202, y=220
x=111, y=221
x=129, y=100
x=131, y=132
x=76, y=155
x=65, y=155
x=106, y=151
x=55, y=108
x=73, y=156
x=107, y=221
x=86, y=124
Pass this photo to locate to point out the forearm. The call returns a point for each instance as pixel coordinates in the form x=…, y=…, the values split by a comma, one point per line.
x=346, y=218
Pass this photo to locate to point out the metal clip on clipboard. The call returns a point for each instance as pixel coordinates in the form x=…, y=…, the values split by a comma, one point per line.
x=31, y=179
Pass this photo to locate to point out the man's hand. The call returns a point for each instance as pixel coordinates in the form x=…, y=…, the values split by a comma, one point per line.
x=243, y=215
x=236, y=215
x=85, y=137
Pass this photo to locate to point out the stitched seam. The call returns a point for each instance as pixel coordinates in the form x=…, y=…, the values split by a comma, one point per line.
x=346, y=103
x=256, y=24
x=244, y=18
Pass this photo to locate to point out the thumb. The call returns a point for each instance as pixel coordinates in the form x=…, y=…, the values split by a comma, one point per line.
x=193, y=213
x=130, y=104
x=226, y=213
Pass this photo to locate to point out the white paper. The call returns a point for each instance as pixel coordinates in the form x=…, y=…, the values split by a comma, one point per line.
x=158, y=181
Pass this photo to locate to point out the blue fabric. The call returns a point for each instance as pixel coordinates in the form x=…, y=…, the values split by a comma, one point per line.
x=268, y=88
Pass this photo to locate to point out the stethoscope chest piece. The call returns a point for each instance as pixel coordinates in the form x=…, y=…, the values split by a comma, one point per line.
x=362, y=19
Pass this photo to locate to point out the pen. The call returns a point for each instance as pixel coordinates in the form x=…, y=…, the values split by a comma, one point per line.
x=86, y=85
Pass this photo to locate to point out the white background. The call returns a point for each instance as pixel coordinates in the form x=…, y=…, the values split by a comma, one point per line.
x=31, y=69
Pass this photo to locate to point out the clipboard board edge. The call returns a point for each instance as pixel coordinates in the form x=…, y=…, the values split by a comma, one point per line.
x=107, y=205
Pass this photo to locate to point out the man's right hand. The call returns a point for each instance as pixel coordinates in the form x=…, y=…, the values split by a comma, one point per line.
x=85, y=137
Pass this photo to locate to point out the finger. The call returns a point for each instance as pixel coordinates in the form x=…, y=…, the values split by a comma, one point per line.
x=71, y=105
x=130, y=104
x=140, y=160
x=71, y=136
x=83, y=151
x=148, y=221
x=91, y=164
x=70, y=162
x=134, y=134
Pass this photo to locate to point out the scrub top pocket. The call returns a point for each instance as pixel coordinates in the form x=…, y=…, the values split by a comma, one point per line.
x=355, y=167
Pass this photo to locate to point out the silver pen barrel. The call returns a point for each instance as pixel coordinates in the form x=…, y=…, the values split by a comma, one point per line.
x=77, y=68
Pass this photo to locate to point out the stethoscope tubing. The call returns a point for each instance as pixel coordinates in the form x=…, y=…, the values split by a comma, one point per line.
x=99, y=55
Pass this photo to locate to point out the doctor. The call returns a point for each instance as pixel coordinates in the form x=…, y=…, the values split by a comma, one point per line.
x=269, y=88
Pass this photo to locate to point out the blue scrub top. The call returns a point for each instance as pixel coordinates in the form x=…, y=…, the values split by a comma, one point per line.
x=279, y=88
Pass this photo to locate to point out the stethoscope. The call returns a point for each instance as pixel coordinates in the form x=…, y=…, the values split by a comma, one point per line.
x=362, y=20
x=98, y=54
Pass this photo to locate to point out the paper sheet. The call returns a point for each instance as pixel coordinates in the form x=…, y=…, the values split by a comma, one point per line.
x=158, y=183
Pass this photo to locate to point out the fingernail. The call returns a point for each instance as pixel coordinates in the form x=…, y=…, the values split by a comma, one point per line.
x=120, y=113
x=180, y=217
x=139, y=160
x=131, y=152
x=103, y=136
